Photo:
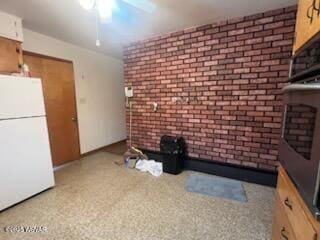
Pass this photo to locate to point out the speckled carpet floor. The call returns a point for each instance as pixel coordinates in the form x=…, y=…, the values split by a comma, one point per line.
x=98, y=200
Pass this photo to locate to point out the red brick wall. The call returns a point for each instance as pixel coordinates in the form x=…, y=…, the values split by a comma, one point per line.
x=229, y=75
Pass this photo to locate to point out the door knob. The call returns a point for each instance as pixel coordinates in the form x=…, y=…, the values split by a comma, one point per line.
x=74, y=119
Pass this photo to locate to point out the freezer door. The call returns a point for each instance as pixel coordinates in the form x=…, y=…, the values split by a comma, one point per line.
x=25, y=160
x=20, y=97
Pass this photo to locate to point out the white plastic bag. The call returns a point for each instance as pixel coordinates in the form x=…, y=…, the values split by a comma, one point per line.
x=151, y=166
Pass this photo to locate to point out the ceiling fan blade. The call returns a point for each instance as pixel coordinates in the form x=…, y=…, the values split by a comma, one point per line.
x=145, y=5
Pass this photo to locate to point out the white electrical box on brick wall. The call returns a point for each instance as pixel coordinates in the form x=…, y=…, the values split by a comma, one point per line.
x=128, y=92
x=11, y=27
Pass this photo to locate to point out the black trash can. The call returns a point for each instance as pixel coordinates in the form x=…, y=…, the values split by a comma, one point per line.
x=172, y=151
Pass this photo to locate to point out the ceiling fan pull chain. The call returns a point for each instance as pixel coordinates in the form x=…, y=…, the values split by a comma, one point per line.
x=97, y=31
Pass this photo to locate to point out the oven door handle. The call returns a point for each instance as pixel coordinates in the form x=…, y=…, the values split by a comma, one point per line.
x=301, y=87
x=284, y=121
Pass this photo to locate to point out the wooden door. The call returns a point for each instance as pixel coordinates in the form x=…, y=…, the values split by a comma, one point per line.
x=9, y=56
x=59, y=93
x=307, y=24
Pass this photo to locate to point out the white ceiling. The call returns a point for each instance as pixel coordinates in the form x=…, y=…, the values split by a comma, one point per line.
x=66, y=20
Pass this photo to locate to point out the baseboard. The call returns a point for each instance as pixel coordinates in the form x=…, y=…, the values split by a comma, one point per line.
x=100, y=148
x=243, y=173
x=58, y=167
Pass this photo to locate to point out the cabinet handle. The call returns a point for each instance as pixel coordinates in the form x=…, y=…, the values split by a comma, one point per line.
x=310, y=12
x=313, y=8
x=316, y=8
x=287, y=203
x=284, y=234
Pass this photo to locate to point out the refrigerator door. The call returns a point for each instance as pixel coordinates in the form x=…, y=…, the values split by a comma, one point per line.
x=25, y=160
x=20, y=97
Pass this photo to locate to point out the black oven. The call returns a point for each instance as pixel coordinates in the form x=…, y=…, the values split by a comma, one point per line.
x=300, y=137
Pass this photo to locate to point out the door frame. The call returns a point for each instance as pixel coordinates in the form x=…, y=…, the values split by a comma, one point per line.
x=33, y=54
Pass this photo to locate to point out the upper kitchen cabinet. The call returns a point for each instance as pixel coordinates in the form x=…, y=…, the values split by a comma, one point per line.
x=11, y=27
x=308, y=22
x=10, y=56
x=11, y=37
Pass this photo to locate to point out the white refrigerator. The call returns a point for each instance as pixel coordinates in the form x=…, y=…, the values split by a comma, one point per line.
x=25, y=158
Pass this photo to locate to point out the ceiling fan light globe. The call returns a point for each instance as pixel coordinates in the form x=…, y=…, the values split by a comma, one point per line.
x=87, y=4
x=105, y=8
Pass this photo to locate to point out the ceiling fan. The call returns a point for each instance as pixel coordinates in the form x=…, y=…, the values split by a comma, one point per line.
x=104, y=9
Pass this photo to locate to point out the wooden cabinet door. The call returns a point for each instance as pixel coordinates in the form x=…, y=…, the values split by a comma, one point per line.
x=60, y=101
x=281, y=228
x=9, y=56
x=305, y=27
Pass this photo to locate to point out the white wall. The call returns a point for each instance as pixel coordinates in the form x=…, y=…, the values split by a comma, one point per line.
x=99, y=89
